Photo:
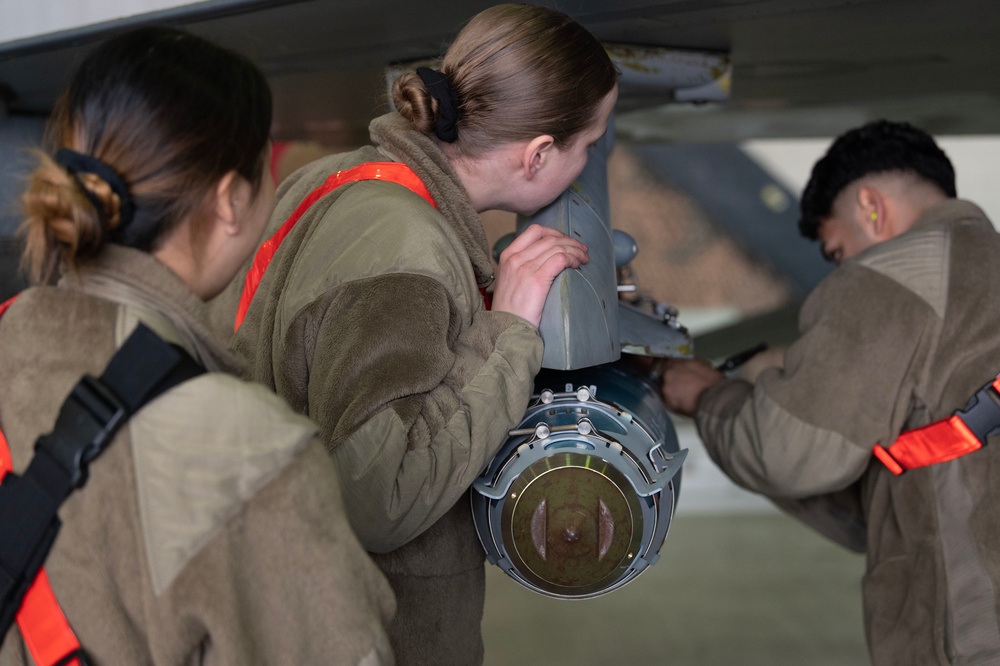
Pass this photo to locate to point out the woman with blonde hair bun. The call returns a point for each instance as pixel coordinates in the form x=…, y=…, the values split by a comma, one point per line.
x=364, y=308
x=211, y=529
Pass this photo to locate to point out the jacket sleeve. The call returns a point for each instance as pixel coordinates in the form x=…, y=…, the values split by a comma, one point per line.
x=839, y=516
x=248, y=548
x=848, y=382
x=413, y=396
x=287, y=582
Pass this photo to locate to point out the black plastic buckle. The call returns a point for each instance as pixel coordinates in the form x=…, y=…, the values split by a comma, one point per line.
x=982, y=413
x=88, y=421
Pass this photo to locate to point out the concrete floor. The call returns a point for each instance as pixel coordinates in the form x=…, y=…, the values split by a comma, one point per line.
x=743, y=589
x=737, y=584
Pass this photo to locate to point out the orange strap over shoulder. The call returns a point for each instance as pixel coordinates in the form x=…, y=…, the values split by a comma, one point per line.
x=392, y=172
x=961, y=433
x=44, y=628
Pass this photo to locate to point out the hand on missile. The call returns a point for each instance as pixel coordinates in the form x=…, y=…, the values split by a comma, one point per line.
x=683, y=381
x=688, y=379
x=528, y=267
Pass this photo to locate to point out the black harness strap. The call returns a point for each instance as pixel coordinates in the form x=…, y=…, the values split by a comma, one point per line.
x=142, y=369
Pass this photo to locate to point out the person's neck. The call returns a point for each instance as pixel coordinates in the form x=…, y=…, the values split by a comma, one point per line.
x=911, y=208
x=486, y=179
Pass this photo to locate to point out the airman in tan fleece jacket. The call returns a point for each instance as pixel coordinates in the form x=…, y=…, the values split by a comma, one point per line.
x=900, y=335
x=379, y=332
x=211, y=530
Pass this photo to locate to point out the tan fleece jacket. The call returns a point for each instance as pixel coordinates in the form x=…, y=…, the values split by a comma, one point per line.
x=211, y=530
x=370, y=320
x=900, y=336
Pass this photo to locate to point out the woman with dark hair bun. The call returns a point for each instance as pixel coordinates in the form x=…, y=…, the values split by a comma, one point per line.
x=365, y=310
x=211, y=529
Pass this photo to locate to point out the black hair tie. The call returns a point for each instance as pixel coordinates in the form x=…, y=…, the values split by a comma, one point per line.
x=440, y=89
x=76, y=163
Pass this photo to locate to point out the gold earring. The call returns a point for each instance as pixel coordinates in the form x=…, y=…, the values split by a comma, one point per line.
x=874, y=216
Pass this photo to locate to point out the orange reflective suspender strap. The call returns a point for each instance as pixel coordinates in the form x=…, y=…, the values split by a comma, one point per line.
x=392, y=172
x=963, y=432
x=937, y=442
x=44, y=628
x=6, y=462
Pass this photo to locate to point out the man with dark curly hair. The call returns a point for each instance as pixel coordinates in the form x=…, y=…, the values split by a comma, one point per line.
x=900, y=336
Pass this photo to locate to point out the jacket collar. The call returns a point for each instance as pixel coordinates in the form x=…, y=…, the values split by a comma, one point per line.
x=395, y=134
x=159, y=298
x=951, y=211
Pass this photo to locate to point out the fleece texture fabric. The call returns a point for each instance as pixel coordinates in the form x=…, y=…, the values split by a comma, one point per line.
x=211, y=530
x=897, y=337
x=369, y=319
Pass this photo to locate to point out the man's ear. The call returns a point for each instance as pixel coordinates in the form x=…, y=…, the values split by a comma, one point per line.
x=228, y=202
x=536, y=155
x=873, y=211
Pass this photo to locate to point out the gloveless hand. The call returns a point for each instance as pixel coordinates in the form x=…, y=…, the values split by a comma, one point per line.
x=683, y=382
x=528, y=267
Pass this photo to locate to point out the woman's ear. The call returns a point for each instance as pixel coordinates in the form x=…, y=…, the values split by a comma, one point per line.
x=231, y=197
x=536, y=155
